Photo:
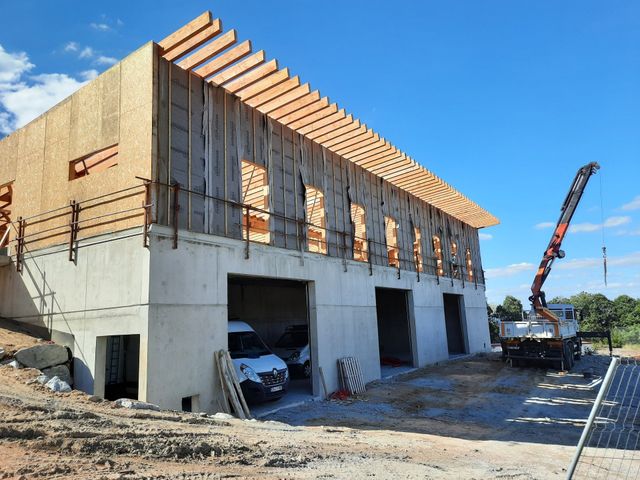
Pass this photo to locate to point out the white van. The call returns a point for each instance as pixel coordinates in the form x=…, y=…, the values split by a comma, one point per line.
x=293, y=348
x=263, y=376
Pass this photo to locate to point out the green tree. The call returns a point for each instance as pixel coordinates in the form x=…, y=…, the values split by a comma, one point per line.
x=598, y=312
x=510, y=310
x=559, y=300
x=624, y=307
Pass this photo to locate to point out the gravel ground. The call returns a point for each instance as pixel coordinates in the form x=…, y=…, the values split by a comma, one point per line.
x=472, y=418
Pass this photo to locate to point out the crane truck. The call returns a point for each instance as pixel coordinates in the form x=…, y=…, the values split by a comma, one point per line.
x=548, y=331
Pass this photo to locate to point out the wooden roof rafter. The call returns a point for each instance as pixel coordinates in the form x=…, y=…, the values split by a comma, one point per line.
x=202, y=48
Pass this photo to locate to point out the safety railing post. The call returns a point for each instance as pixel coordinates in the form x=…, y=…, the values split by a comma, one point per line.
x=247, y=220
x=417, y=266
x=146, y=206
x=370, y=257
x=22, y=225
x=73, y=230
x=176, y=210
x=398, y=263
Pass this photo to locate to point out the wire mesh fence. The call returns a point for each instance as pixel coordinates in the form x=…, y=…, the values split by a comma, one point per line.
x=608, y=448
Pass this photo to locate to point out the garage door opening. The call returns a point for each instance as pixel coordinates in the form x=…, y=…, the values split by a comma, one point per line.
x=454, y=322
x=121, y=367
x=278, y=311
x=394, y=330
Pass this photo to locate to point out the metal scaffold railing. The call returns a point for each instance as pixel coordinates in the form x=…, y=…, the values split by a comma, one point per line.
x=608, y=447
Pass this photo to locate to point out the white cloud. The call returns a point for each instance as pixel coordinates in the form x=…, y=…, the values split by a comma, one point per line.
x=71, y=47
x=632, y=205
x=24, y=97
x=102, y=27
x=88, y=75
x=102, y=60
x=593, y=227
x=12, y=66
x=87, y=52
x=25, y=102
x=544, y=225
x=485, y=236
x=509, y=270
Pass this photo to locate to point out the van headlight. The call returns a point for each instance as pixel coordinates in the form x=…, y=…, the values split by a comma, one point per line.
x=286, y=373
x=294, y=357
x=248, y=372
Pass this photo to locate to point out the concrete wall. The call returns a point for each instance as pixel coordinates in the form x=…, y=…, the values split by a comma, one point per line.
x=188, y=311
x=104, y=293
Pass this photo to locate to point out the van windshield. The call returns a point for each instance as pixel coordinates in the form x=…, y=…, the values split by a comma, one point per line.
x=293, y=339
x=246, y=345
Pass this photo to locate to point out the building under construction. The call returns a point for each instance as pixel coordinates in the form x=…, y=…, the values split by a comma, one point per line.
x=198, y=181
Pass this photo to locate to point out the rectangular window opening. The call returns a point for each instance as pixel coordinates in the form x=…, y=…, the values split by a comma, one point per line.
x=6, y=197
x=454, y=258
x=360, y=244
x=391, y=234
x=95, y=162
x=469, y=263
x=316, y=221
x=437, y=251
x=417, y=248
x=255, y=194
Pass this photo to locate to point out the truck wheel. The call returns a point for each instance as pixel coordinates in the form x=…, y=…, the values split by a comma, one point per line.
x=568, y=356
x=578, y=353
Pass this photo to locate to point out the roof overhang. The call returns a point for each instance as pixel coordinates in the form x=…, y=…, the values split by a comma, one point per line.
x=203, y=48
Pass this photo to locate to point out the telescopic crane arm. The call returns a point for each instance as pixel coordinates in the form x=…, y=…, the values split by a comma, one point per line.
x=537, y=298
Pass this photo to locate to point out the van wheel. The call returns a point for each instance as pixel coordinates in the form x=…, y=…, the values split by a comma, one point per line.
x=306, y=369
x=568, y=356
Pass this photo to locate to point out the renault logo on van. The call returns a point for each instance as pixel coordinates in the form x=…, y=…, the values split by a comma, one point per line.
x=275, y=372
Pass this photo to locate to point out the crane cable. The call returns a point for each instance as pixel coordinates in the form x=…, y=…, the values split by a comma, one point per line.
x=604, y=247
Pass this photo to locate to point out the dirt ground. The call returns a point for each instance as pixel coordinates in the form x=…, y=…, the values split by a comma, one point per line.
x=472, y=418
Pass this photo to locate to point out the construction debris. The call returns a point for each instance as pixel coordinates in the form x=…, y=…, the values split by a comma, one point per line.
x=351, y=375
x=231, y=389
x=57, y=385
x=136, y=404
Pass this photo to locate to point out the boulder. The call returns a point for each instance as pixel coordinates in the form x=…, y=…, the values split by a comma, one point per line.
x=57, y=385
x=15, y=364
x=60, y=371
x=136, y=404
x=1, y=353
x=42, y=379
x=43, y=355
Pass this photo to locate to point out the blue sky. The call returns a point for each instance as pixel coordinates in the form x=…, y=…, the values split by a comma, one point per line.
x=502, y=99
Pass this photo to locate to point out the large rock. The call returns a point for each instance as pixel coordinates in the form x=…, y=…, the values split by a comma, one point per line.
x=42, y=356
x=60, y=371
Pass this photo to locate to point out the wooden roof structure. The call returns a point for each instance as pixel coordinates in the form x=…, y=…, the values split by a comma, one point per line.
x=203, y=48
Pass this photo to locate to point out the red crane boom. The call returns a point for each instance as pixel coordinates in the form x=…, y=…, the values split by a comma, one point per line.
x=537, y=298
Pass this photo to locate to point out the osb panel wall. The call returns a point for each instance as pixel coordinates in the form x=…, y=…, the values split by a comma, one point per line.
x=115, y=108
x=204, y=133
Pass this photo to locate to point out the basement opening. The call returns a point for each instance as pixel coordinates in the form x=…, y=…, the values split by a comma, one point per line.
x=277, y=310
x=395, y=337
x=255, y=194
x=122, y=365
x=454, y=323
